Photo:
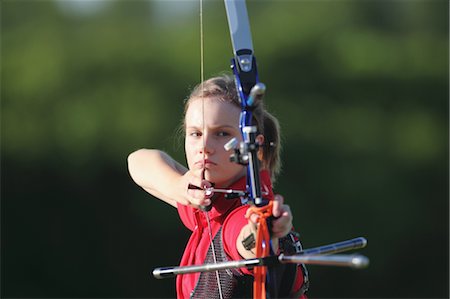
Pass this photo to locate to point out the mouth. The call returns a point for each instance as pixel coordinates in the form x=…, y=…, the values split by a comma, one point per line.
x=205, y=163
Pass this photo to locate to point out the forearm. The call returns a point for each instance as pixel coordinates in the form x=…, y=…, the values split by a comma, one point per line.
x=246, y=231
x=156, y=173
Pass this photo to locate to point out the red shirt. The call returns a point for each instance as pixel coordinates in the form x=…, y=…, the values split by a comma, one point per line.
x=226, y=213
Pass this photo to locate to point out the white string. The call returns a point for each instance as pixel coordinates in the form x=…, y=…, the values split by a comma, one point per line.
x=202, y=78
x=202, y=75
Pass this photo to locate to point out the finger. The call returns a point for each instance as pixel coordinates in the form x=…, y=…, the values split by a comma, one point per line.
x=283, y=221
x=277, y=205
x=282, y=225
x=286, y=215
x=254, y=218
x=251, y=216
x=198, y=197
x=252, y=222
x=194, y=179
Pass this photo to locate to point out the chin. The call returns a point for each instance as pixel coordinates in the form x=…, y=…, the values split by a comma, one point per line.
x=213, y=178
x=210, y=176
x=221, y=181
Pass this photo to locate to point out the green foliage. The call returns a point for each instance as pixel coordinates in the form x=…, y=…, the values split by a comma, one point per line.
x=361, y=91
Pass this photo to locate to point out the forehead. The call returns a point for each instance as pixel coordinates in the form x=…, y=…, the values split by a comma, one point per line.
x=212, y=111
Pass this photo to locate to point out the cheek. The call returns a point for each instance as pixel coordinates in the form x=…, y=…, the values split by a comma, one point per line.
x=188, y=150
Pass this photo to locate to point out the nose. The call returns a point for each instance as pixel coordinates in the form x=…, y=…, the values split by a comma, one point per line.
x=206, y=145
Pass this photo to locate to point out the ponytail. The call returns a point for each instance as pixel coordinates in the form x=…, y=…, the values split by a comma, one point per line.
x=272, y=145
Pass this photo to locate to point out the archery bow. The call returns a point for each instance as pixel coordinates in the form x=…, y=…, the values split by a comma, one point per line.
x=250, y=91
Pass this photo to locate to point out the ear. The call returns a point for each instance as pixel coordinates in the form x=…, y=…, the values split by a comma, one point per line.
x=260, y=141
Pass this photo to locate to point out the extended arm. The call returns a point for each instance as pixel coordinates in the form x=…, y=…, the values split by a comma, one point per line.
x=163, y=177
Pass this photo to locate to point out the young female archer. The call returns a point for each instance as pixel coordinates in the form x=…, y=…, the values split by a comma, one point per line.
x=226, y=230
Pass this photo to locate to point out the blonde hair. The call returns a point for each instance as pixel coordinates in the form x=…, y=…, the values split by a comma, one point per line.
x=223, y=88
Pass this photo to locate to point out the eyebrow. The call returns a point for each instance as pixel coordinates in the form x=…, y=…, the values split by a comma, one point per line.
x=214, y=127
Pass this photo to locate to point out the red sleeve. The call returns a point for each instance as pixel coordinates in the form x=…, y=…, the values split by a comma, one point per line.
x=186, y=215
x=230, y=232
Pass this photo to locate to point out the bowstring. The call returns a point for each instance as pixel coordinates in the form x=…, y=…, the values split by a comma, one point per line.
x=202, y=79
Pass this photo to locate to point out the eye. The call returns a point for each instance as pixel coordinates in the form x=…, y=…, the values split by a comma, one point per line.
x=223, y=134
x=195, y=134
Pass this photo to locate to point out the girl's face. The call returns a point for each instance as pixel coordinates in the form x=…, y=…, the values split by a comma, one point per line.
x=210, y=123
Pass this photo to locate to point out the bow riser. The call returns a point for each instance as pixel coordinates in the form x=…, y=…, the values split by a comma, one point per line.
x=246, y=76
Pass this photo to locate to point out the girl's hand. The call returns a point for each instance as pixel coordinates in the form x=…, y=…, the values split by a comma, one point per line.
x=193, y=189
x=282, y=224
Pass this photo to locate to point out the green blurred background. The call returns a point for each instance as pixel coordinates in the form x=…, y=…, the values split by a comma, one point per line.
x=361, y=91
